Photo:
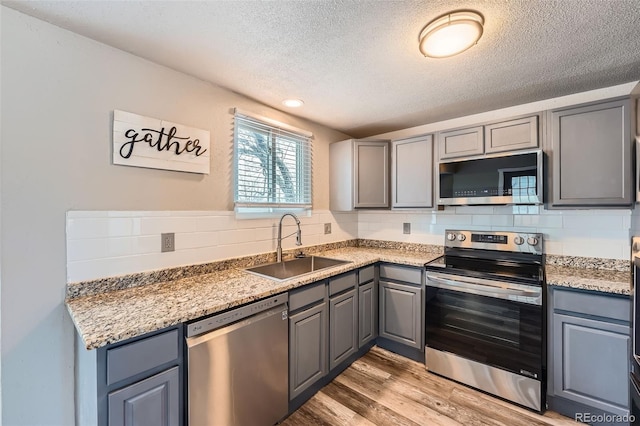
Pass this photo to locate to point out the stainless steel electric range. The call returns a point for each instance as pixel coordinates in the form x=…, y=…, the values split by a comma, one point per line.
x=485, y=314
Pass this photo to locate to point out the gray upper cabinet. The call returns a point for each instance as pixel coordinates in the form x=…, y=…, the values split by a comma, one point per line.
x=590, y=155
x=412, y=172
x=511, y=135
x=461, y=142
x=359, y=174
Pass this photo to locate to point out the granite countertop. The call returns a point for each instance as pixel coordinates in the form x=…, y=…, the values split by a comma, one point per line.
x=115, y=315
x=602, y=280
x=118, y=315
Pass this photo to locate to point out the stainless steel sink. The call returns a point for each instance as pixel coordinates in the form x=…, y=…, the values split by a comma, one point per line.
x=281, y=271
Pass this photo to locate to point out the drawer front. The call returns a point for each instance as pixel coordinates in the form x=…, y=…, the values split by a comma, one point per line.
x=307, y=295
x=366, y=274
x=399, y=273
x=137, y=357
x=614, y=307
x=342, y=283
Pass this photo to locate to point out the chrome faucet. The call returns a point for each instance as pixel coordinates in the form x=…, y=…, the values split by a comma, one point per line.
x=298, y=235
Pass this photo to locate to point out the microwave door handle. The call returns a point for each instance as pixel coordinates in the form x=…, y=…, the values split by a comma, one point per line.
x=461, y=285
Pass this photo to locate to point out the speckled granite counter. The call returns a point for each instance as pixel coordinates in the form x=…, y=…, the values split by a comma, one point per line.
x=108, y=311
x=602, y=280
x=113, y=316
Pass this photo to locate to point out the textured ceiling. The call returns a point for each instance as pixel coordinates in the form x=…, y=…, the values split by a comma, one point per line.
x=356, y=64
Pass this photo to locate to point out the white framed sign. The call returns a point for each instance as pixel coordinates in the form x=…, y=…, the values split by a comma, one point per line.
x=158, y=144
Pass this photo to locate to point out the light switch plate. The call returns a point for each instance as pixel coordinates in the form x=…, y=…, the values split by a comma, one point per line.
x=167, y=242
x=406, y=228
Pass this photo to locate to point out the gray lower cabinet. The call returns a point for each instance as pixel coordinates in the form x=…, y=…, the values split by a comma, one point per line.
x=590, y=155
x=343, y=327
x=367, y=313
x=307, y=348
x=137, y=382
x=589, y=352
x=401, y=313
x=150, y=402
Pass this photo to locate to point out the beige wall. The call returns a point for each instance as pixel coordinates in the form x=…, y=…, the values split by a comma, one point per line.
x=58, y=94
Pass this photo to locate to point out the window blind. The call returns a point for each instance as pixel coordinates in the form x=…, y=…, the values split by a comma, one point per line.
x=272, y=164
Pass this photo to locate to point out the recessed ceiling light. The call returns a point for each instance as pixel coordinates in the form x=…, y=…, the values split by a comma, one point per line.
x=292, y=103
x=451, y=34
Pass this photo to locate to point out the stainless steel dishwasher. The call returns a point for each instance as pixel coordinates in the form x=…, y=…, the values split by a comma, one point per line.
x=237, y=366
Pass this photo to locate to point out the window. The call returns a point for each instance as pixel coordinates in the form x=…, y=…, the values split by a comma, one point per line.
x=272, y=163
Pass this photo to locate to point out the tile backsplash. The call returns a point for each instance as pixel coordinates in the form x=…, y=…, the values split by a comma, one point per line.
x=589, y=233
x=110, y=243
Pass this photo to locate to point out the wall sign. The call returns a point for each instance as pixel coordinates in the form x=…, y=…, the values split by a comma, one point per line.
x=158, y=144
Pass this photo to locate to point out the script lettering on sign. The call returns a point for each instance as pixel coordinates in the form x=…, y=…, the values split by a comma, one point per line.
x=158, y=144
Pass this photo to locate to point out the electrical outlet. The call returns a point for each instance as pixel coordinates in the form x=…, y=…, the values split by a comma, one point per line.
x=406, y=228
x=327, y=228
x=167, y=242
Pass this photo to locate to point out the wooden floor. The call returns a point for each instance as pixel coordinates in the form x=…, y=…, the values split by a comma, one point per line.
x=385, y=389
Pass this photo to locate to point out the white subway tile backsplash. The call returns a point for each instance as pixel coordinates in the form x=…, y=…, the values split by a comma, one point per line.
x=108, y=243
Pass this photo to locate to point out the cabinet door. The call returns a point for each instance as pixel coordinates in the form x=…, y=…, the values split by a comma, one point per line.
x=371, y=174
x=367, y=313
x=307, y=348
x=412, y=172
x=511, y=135
x=151, y=402
x=461, y=142
x=343, y=327
x=591, y=362
x=591, y=155
x=400, y=313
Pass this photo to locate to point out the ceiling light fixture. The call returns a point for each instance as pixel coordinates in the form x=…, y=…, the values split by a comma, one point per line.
x=292, y=103
x=451, y=34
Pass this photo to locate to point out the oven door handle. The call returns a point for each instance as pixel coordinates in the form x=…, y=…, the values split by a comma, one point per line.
x=484, y=287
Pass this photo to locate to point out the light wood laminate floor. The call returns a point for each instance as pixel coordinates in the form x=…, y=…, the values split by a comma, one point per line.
x=385, y=389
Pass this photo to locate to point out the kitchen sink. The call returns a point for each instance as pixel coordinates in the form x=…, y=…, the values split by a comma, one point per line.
x=285, y=270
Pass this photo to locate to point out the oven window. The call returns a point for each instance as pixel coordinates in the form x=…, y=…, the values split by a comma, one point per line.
x=501, y=333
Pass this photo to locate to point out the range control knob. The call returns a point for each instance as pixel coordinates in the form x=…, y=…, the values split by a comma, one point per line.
x=532, y=241
x=451, y=236
x=461, y=237
x=518, y=240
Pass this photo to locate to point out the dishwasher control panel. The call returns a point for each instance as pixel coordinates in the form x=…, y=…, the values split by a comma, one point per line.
x=234, y=315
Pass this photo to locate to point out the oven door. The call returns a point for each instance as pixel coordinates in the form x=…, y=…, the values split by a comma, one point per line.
x=496, y=323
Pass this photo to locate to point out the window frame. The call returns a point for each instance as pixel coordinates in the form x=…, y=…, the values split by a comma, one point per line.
x=275, y=131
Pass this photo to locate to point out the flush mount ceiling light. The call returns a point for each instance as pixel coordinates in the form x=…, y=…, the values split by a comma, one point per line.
x=292, y=103
x=451, y=34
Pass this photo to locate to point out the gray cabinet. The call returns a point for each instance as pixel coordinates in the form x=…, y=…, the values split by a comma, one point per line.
x=359, y=174
x=511, y=135
x=461, y=142
x=136, y=382
x=367, y=305
x=412, y=172
x=401, y=313
x=506, y=135
x=590, y=155
x=151, y=402
x=343, y=327
x=307, y=347
x=589, y=352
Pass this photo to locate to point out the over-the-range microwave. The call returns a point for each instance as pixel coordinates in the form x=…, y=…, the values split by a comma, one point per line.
x=505, y=178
